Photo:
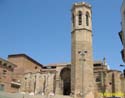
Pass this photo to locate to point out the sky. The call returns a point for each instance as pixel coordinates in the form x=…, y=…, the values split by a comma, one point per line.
x=42, y=30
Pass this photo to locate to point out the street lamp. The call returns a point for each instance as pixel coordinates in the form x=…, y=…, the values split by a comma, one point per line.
x=82, y=54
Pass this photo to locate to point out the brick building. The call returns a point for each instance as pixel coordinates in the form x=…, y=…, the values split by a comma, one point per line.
x=82, y=78
x=25, y=63
x=7, y=82
x=13, y=70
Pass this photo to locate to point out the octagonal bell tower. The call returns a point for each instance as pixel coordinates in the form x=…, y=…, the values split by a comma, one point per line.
x=82, y=79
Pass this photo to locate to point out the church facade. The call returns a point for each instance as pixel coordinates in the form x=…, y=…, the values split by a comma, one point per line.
x=82, y=78
x=77, y=78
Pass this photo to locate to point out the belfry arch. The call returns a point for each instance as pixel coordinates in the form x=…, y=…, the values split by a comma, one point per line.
x=66, y=81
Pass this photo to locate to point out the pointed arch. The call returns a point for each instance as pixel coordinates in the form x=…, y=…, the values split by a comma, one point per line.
x=66, y=78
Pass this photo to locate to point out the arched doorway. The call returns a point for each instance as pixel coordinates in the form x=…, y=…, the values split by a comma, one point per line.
x=66, y=79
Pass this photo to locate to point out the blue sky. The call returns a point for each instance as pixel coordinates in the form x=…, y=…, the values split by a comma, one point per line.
x=41, y=29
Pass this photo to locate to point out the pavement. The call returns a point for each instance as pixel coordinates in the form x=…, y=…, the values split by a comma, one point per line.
x=19, y=95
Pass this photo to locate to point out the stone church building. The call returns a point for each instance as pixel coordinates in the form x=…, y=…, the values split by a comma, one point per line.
x=82, y=78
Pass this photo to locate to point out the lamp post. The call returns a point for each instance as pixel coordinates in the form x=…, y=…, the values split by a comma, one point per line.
x=123, y=79
x=82, y=54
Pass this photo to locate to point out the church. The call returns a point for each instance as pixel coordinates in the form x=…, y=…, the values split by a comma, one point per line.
x=82, y=78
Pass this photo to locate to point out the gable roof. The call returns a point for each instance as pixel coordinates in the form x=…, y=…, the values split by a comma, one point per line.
x=27, y=57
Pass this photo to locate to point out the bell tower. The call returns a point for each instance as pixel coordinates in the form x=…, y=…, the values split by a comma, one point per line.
x=82, y=79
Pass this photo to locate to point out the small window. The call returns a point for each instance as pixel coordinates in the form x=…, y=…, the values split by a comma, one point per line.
x=110, y=83
x=98, y=79
x=1, y=87
x=9, y=66
x=25, y=78
x=15, y=86
x=4, y=65
x=36, y=67
x=4, y=72
x=0, y=62
x=80, y=18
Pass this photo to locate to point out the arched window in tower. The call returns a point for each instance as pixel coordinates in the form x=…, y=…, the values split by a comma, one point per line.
x=73, y=21
x=80, y=18
x=87, y=19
